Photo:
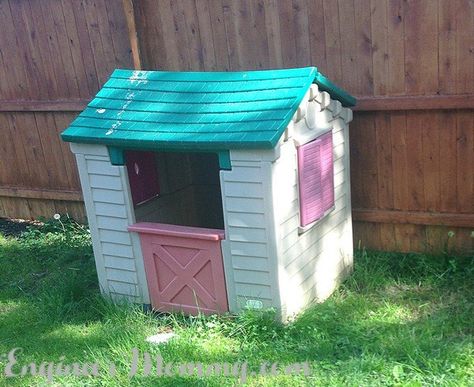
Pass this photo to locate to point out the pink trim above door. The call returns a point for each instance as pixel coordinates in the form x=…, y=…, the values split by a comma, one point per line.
x=178, y=231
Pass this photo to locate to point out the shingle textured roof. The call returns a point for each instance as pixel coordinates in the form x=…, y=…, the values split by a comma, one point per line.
x=193, y=110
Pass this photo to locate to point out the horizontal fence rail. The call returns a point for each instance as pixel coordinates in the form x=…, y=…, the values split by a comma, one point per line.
x=437, y=102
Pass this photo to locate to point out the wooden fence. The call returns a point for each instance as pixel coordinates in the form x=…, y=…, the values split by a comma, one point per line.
x=409, y=62
x=54, y=56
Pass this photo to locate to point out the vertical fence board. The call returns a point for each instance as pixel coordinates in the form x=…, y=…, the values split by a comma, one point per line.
x=262, y=45
x=332, y=40
x=465, y=162
x=384, y=161
x=24, y=34
x=465, y=46
x=221, y=50
x=118, y=31
x=447, y=161
x=84, y=67
x=301, y=23
x=447, y=46
x=193, y=32
x=205, y=34
x=431, y=160
x=53, y=158
x=421, y=47
x=287, y=36
x=414, y=152
x=381, y=55
x=90, y=16
x=61, y=121
x=396, y=48
x=347, y=30
x=364, y=176
x=363, y=36
x=398, y=139
x=85, y=47
x=15, y=84
x=55, y=50
x=316, y=34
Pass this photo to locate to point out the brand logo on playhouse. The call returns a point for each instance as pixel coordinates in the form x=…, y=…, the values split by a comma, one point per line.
x=143, y=365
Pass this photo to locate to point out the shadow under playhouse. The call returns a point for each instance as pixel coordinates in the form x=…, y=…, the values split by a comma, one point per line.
x=217, y=191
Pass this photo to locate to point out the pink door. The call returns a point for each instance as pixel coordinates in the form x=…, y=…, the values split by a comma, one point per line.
x=184, y=267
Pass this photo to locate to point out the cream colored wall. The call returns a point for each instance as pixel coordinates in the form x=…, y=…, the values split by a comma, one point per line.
x=249, y=247
x=117, y=252
x=267, y=257
x=312, y=263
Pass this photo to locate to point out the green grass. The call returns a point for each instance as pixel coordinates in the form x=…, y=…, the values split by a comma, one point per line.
x=400, y=319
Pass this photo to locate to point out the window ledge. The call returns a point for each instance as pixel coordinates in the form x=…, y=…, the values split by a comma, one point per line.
x=303, y=229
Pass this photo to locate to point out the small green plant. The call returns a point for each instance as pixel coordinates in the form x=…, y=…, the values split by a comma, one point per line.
x=59, y=224
x=58, y=238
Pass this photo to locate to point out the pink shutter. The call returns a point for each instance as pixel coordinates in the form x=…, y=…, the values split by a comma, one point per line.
x=142, y=175
x=316, y=178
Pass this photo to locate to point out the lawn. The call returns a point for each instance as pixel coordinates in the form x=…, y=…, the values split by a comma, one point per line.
x=401, y=319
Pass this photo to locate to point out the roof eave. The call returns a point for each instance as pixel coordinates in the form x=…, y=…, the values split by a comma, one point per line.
x=334, y=91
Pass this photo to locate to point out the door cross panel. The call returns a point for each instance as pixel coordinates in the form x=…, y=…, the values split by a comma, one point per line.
x=185, y=273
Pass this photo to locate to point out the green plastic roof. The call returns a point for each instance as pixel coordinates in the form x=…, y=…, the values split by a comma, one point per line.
x=196, y=110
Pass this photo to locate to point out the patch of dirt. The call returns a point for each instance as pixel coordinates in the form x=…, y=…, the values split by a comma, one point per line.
x=14, y=227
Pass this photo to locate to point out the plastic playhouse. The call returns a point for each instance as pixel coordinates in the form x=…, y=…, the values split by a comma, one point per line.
x=217, y=191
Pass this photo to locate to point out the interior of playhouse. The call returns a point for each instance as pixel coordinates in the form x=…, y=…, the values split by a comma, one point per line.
x=177, y=188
